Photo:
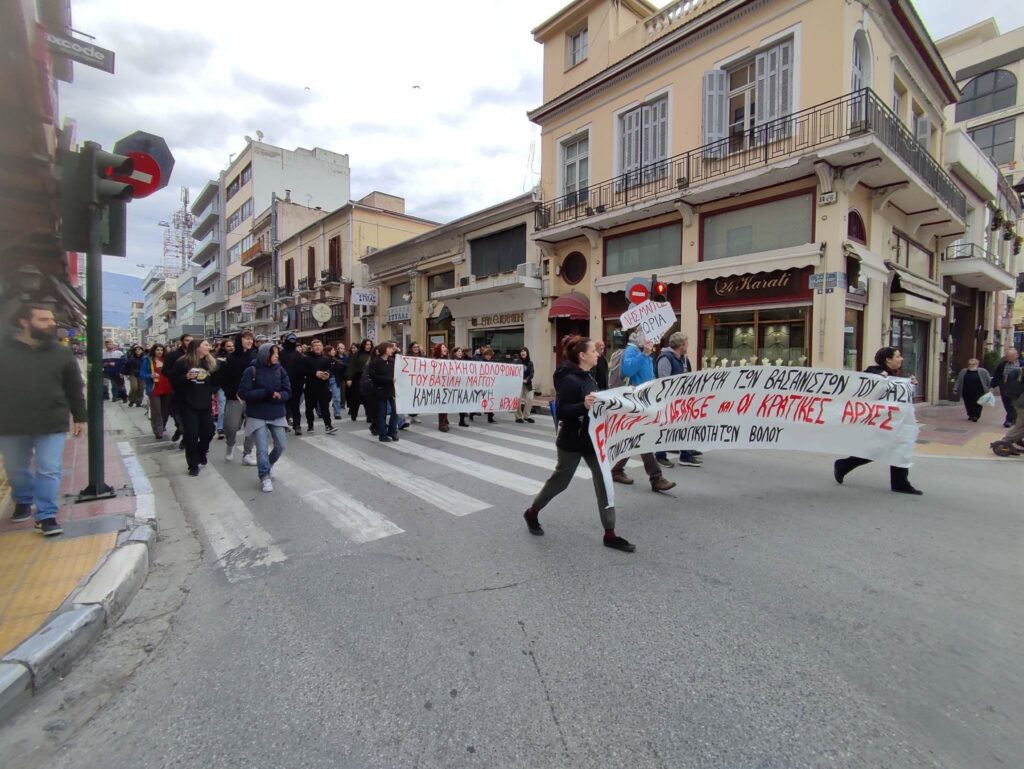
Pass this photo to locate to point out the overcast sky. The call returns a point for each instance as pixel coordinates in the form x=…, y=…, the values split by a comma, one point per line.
x=428, y=100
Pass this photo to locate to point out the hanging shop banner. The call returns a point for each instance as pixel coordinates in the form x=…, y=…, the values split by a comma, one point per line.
x=652, y=318
x=366, y=297
x=829, y=411
x=440, y=386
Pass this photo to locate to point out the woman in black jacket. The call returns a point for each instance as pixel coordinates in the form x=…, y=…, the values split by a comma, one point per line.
x=194, y=377
x=575, y=389
x=888, y=362
x=382, y=383
x=357, y=361
x=131, y=369
x=526, y=396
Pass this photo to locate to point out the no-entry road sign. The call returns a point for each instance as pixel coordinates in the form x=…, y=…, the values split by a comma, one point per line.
x=639, y=293
x=157, y=151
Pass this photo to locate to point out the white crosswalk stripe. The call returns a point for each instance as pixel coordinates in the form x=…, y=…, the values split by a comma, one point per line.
x=348, y=515
x=433, y=493
x=243, y=547
x=489, y=448
x=520, y=484
x=548, y=445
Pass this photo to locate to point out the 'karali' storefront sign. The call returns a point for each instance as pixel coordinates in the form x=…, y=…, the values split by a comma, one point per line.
x=777, y=286
x=497, y=320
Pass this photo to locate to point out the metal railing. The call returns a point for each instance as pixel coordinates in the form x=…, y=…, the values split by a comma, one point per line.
x=856, y=114
x=972, y=251
x=257, y=287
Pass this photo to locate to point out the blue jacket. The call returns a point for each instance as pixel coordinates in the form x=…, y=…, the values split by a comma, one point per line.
x=259, y=383
x=636, y=365
x=146, y=374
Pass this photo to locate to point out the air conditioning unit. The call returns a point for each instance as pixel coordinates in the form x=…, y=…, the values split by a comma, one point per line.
x=528, y=270
x=468, y=280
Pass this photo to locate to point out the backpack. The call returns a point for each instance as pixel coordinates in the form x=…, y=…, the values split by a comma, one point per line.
x=615, y=378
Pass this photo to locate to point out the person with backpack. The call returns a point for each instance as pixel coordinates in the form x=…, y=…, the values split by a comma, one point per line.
x=888, y=362
x=265, y=388
x=1010, y=362
x=637, y=368
x=672, y=360
x=1012, y=389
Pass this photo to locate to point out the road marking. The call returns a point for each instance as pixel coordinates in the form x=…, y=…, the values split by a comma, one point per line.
x=548, y=445
x=145, y=503
x=348, y=515
x=521, y=484
x=239, y=542
x=433, y=493
x=504, y=453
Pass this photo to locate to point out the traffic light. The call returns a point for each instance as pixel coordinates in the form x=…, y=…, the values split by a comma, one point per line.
x=88, y=183
x=659, y=291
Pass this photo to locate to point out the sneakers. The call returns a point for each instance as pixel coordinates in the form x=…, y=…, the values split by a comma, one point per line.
x=21, y=513
x=532, y=524
x=531, y=420
x=620, y=544
x=309, y=429
x=666, y=462
x=332, y=430
x=49, y=527
x=622, y=478
x=267, y=485
x=297, y=430
x=690, y=461
x=249, y=459
x=220, y=435
x=194, y=472
x=662, y=484
x=230, y=454
x=519, y=421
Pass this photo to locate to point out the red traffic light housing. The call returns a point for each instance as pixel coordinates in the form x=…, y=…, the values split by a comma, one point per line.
x=659, y=291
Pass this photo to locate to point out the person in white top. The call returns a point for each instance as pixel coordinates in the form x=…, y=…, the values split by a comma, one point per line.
x=113, y=365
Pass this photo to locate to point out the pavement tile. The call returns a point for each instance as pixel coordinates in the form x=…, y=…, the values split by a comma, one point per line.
x=14, y=631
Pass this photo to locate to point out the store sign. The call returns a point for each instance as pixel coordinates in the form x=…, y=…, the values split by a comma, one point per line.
x=83, y=51
x=248, y=308
x=398, y=313
x=740, y=289
x=830, y=411
x=439, y=385
x=366, y=297
x=497, y=320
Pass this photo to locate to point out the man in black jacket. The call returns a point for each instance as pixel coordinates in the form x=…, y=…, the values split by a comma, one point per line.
x=234, y=367
x=169, y=360
x=1006, y=365
x=317, y=371
x=294, y=364
x=42, y=386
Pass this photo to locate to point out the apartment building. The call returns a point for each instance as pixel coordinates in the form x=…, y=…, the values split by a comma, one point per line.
x=160, y=302
x=988, y=67
x=473, y=281
x=226, y=208
x=777, y=163
x=319, y=264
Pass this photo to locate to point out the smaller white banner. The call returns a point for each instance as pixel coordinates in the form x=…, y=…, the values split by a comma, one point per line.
x=440, y=386
x=364, y=296
x=652, y=318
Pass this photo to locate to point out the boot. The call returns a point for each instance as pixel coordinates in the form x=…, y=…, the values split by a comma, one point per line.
x=662, y=484
x=899, y=481
x=442, y=423
x=490, y=417
x=462, y=421
x=532, y=523
x=621, y=477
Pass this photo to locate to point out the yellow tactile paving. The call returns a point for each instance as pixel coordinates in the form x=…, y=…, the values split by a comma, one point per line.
x=37, y=575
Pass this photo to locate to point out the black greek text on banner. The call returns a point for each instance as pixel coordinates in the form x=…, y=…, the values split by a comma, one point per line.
x=441, y=386
x=758, y=407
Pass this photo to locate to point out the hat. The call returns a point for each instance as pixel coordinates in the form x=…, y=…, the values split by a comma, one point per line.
x=291, y=338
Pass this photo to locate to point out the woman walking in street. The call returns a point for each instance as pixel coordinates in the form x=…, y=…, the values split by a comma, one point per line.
x=158, y=388
x=265, y=389
x=459, y=353
x=132, y=369
x=224, y=349
x=194, y=380
x=575, y=389
x=382, y=382
x=487, y=356
x=334, y=383
x=441, y=351
x=232, y=413
x=888, y=361
x=526, y=396
x=353, y=373
x=971, y=383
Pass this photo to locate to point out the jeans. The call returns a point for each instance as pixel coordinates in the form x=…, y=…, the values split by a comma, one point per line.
x=335, y=398
x=387, y=417
x=231, y=419
x=42, y=486
x=117, y=391
x=262, y=436
x=221, y=405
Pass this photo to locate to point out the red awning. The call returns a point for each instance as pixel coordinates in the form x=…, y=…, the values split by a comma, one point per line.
x=572, y=305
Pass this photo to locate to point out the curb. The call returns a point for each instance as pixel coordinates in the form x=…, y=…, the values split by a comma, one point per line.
x=54, y=649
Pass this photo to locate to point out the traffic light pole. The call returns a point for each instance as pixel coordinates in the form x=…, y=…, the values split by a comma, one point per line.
x=98, y=487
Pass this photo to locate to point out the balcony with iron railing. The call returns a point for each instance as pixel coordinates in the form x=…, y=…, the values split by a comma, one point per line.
x=973, y=266
x=822, y=131
x=261, y=288
x=257, y=252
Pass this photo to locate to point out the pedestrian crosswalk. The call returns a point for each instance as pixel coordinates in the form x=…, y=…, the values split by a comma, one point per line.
x=352, y=490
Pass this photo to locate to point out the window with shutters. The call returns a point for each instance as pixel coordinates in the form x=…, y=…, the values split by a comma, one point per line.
x=334, y=258
x=921, y=127
x=311, y=273
x=289, y=276
x=643, y=142
x=576, y=169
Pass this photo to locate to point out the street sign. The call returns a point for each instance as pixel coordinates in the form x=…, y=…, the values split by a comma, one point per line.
x=153, y=146
x=82, y=51
x=639, y=293
x=145, y=176
x=631, y=285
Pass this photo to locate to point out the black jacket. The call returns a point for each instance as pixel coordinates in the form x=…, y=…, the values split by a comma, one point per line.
x=528, y=370
x=572, y=385
x=193, y=393
x=294, y=364
x=600, y=372
x=382, y=377
x=171, y=359
x=233, y=367
x=132, y=364
x=311, y=365
x=41, y=385
x=356, y=364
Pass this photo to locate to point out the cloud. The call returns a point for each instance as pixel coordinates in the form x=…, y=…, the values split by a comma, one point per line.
x=159, y=52
x=278, y=94
x=528, y=91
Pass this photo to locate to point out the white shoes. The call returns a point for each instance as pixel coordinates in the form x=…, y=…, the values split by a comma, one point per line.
x=273, y=472
x=230, y=455
x=268, y=485
x=249, y=459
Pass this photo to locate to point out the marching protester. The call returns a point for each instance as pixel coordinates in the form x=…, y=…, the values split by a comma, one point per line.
x=413, y=351
x=575, y=388
x=294, y=363
x=971, y=383
x=888, y=362
x=113, y=366
x=334, y=383
x=41, y=393
x=673, y=360
x=317, y=377
x=158, y=389
x=487, y=355
x=242, y=356
x=194, y=380
x=441, y=351
x=357, y=361
x=224, y=349
x=600, y=371
x=459, y=353
x=638, y=367
x=381, y=377
x=132, y=367
x=170, y=361
x=526, y=396
x=266, y=390
x=1009, y=362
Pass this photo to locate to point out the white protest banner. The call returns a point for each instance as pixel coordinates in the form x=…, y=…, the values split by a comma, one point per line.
x=653, y=318
x=828, y=411
x=367, y=297
x=440, y=386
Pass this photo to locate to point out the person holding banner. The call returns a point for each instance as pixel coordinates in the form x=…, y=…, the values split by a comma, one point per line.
x=459, y=353
x=357, y=361
x=381, y=374
x=672, y=360
x=440, y=350
x=575, y=389
x=888, y=361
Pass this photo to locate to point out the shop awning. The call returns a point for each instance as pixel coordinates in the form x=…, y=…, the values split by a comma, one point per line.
x=72, y=302
x=572, y=305
x=505, y=299
x=911, y=283
x=871, y=264
x=806, y=255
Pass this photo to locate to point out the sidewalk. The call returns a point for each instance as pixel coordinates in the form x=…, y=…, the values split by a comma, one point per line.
x=63, y=581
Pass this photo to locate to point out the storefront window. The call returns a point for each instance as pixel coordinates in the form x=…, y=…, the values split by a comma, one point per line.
x=851, y=339
x=506, y=342
x=776, y=337
x=440, y=282
x=911, y=337
x=779, y=224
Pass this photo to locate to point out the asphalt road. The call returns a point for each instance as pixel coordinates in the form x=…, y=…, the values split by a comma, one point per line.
x=769, y=618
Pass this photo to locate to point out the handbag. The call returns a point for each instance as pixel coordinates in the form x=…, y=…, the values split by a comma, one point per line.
x=988, y=399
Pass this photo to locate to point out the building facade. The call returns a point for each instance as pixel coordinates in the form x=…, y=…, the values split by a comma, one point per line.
x=778, y=164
